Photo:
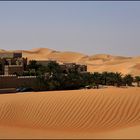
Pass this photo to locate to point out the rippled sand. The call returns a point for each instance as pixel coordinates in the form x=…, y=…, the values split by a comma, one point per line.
x=97, y=113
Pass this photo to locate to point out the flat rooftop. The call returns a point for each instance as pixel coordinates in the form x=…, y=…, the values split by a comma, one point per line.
x=10, y=54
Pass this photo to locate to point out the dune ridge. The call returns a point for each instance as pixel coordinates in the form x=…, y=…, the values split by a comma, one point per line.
x=97, y=62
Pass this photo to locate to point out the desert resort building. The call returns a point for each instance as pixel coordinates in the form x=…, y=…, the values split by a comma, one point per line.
x=13, y=64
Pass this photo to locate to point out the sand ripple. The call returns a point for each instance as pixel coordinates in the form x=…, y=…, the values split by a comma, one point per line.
x=92, y=110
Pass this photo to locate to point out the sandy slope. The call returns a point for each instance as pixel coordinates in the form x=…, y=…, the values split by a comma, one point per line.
x=103, y=113
x=98, y=62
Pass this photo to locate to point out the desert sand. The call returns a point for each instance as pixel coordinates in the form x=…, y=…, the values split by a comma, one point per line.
x=96, y=113
x=93, y=113
x=97, y=62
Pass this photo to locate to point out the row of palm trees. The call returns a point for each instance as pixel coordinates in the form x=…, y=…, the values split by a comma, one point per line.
x=52, y=77
x=115, y=79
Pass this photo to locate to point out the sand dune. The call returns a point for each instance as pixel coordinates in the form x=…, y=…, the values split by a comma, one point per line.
x=97, y=62
x=45, y=53
x=77, y=113
x=1, y=50
x=103, y=113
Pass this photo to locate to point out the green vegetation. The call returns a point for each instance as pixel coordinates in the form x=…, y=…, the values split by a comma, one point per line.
x=34, y=69
x=53, y=77
x=137, y=80
x=128, y=80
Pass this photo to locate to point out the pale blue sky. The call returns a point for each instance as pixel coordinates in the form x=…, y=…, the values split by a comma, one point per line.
x=87, y=27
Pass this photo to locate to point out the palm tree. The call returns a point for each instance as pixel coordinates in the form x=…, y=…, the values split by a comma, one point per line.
x=137, y=79
x=128, y=80
x=97, y=79
x=110, y=79
x=33, y=65
x=104, y=78
x=86, y=79
x=53, y=67
x=118, y=79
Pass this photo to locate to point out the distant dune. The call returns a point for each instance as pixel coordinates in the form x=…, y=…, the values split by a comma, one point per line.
x=98, y=62
x=97, y=113
x=1, y=50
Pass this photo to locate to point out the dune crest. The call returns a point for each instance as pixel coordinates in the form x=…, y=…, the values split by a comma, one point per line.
x=97, y=62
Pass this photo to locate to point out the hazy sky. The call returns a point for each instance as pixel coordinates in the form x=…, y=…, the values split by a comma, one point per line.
x=87, y=27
